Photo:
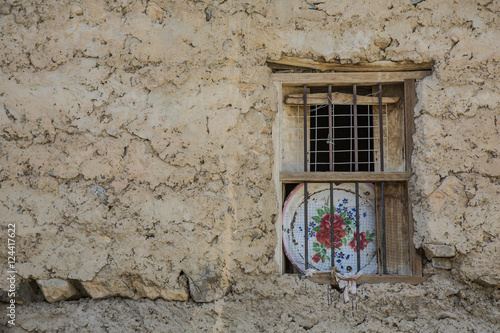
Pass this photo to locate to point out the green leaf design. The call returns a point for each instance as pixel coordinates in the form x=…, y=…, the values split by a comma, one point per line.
x=323, y=251
x=316, y=219
x=320, y=211
x=315, y=244
x=344, y=241
x=316, y=229
x=348, y=221
x=326, y=209
x=327, y=258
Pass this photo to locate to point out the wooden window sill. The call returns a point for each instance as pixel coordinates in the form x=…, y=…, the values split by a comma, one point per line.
x=362, y=177
x=326, y=278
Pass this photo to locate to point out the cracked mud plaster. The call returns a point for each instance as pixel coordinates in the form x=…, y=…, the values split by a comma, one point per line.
x=136, y=161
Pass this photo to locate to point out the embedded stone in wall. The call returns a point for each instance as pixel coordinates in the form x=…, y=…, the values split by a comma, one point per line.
x=382, y=43
x=441, y=251
x=442, y=263
x=153, y=291
x=150, y=291
x=489, y=281
x=451, y=192
x=55, y=290
x=155, y=13
x=207, y=286
x=108, y=288
x=76, y=10
x=5, y=8
x=482, y=266
x=180, y=294
x=136, y=288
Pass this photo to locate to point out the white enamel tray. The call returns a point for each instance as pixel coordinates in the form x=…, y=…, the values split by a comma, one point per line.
x=319, y=228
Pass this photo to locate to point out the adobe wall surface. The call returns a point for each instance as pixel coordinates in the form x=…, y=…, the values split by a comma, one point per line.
x=136, y=162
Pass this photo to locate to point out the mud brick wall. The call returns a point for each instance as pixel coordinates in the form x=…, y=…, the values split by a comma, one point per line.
x=136, y=160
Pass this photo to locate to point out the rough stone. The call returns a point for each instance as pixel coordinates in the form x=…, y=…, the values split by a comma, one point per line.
x=438, y=250
x=76, y=10
x=155, y=12
x=152, y=291
x=55, y=290
x=442, y=263
x=383, y=43
x=207, y=285
x=106, y=289
x=5, y=8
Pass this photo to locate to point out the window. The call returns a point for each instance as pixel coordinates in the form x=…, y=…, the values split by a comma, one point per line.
x=343, y=144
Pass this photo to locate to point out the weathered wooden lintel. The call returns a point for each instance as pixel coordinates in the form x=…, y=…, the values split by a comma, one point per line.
x=338, y=177
x=326, y=278
x=345, y=79
x=337, y=99
x=377, y=66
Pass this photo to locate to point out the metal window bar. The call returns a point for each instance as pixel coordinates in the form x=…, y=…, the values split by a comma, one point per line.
x=384, y=253
x=316, y=141
x=350, y=142
x=330, y=160
x=369, y=141
x=356, y=168
x=306, y=235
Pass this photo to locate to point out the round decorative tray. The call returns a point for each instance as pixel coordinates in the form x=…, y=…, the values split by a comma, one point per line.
x=319, y=228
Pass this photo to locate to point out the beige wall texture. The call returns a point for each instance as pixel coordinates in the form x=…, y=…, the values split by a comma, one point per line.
x=136, y=160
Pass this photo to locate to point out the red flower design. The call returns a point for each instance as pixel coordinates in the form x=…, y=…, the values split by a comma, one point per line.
x=316, y=258
x=324, y=236
x=362, y=241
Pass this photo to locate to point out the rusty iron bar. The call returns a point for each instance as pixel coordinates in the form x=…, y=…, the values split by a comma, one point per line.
x=355, y=106
x=330, y=127
x=315, y=150
x=356, y=168
x=330, y=146
x=381, y=129
x=306, y=234
x=358, y=254
x=332, y=244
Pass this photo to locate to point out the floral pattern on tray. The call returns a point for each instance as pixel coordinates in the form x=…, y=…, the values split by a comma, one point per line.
x=319, y=228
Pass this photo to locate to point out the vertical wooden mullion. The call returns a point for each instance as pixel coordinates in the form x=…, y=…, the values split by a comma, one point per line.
x=396, y=222
x=410, y=101
x=288, y=158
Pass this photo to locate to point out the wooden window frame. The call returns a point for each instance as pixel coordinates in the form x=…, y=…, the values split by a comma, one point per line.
x=408, y=79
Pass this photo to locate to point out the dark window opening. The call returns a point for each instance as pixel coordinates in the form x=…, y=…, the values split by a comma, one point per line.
x=343, y=139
